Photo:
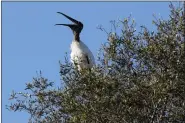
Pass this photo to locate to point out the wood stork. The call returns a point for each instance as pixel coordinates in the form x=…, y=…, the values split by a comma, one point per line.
x=80, y=53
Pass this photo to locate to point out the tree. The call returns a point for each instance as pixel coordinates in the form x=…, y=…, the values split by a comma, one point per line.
x=139, y=77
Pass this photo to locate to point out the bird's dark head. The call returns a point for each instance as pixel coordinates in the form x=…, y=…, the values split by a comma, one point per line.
x=76, y=27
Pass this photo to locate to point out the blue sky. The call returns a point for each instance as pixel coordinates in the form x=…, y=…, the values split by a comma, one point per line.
x=31, y=42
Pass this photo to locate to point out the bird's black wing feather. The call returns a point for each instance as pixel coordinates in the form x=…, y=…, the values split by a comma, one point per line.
x=87, y=59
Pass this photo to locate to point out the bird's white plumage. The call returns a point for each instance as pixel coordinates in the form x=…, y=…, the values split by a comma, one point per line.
x=81, y=55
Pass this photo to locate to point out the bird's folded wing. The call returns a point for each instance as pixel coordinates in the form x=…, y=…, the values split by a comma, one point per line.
x=85, y=58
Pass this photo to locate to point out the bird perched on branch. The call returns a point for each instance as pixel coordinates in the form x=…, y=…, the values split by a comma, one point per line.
x=80, y=53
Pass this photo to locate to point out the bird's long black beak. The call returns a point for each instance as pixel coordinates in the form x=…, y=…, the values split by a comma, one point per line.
x=70, y=18
x=65, y=24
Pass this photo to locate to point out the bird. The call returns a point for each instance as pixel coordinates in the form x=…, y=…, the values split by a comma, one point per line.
x=81, y=55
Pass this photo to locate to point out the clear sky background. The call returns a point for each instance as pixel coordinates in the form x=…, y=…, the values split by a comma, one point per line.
x=31, y=42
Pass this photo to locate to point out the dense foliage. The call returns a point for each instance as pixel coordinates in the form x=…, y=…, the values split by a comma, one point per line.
x=139, y=78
